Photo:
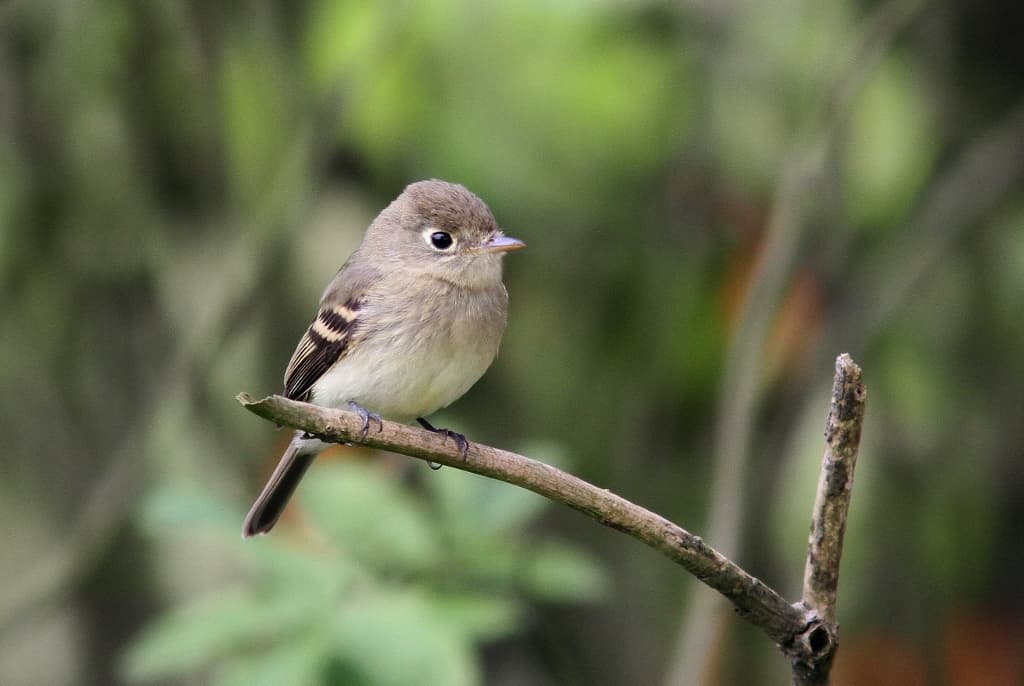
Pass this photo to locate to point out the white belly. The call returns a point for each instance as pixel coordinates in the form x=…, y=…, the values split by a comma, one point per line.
x=414, y=370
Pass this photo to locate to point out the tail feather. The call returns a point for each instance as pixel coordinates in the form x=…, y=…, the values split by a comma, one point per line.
x=279, y=489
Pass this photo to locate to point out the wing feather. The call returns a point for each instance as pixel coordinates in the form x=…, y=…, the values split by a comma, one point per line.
x=325, y=342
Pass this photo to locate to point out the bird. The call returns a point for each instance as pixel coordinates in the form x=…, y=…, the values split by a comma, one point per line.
x=409, y=323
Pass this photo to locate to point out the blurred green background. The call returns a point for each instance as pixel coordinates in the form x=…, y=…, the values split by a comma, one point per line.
x=718, y=199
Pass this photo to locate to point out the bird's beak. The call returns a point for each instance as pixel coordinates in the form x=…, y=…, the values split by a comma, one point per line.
x=502, y=243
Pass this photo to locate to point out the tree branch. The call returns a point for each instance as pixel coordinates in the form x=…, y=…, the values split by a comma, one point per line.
x=804, y=631
x=754, y=600
x=832, y=503
x=831, y=506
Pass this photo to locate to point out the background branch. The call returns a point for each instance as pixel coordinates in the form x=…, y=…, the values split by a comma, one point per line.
x=742, y=379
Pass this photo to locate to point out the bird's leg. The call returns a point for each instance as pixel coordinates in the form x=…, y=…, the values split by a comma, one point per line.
x=459, y=439
x=366, y=416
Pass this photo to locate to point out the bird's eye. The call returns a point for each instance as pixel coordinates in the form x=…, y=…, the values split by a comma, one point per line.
x=442, y=240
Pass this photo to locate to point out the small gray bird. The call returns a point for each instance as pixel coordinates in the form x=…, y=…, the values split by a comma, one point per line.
x=409, y=323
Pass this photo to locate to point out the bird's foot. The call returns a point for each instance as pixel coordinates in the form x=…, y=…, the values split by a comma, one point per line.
x=459, y=439
x=366, y=416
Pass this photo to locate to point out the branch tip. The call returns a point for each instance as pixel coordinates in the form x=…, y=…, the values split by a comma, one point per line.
x=819, y=641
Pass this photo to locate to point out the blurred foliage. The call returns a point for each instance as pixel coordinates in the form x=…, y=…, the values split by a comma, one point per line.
x=435, y=572
x=179, y=179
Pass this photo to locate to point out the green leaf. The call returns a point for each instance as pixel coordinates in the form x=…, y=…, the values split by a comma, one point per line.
x=474, y=506
x=560, y=572
x=491, y=563
x=475, y=509
x=296, y=663
x=477, y=617
x=396, y=639
x=371, y=517
x=216, y=626
x=283, y=564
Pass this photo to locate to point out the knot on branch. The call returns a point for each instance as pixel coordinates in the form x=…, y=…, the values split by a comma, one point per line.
x=812, y=649
x=817, y=641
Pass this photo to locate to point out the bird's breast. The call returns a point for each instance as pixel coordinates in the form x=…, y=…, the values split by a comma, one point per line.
x=415, y=356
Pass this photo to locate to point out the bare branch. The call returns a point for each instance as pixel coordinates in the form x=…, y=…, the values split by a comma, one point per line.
x=828, y=520
x=754, y=601
x=806, y=631
x=832, y=503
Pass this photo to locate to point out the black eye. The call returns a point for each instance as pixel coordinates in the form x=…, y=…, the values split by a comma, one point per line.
x=442, y=240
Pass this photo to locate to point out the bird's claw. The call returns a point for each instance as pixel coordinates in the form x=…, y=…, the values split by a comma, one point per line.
x=459, y=439
x=366, y=416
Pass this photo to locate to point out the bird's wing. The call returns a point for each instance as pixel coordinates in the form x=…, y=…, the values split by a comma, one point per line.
x=332, y=334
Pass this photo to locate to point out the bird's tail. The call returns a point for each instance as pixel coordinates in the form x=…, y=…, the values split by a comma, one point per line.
x=280, y=487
